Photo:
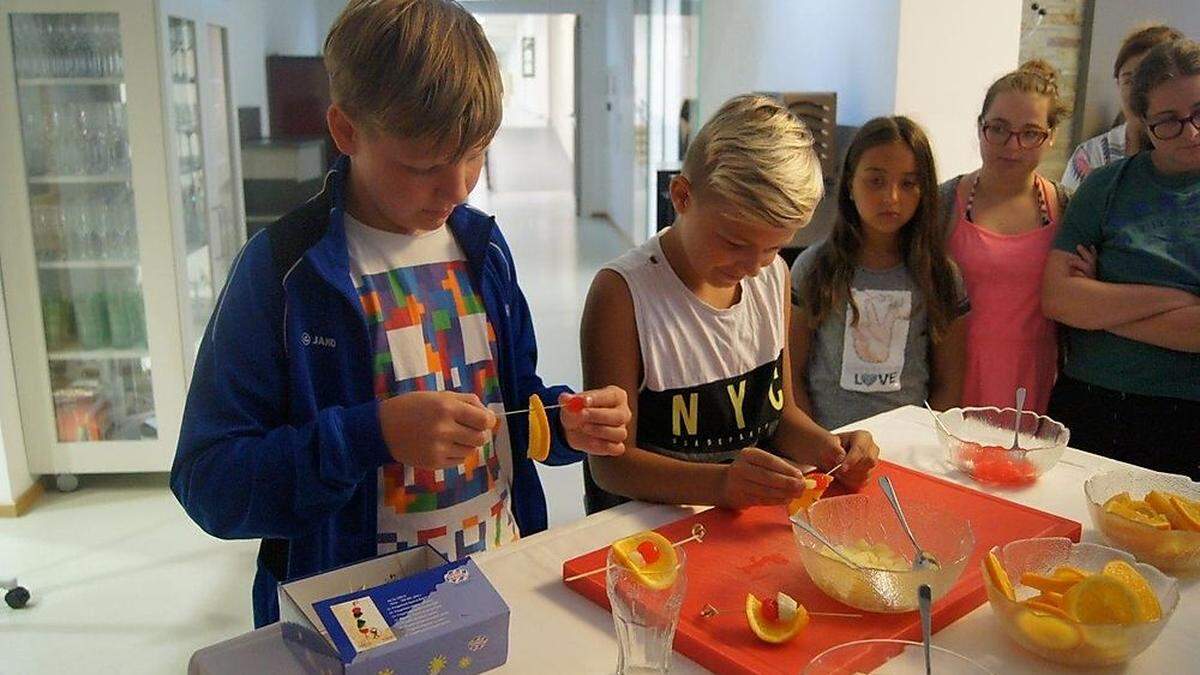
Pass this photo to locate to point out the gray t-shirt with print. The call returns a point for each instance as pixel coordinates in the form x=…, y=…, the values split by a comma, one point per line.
x=856, y=371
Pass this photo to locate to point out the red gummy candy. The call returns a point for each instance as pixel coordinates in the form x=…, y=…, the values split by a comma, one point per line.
x=649, y=551
x=770, y=609
x=576, y=404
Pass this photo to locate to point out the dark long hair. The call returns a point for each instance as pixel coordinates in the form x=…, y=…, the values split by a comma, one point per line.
x=826, y=288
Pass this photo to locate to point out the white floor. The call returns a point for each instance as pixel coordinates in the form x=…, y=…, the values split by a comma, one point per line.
x=123, y=582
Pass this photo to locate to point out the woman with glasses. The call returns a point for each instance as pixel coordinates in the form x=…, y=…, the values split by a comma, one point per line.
x=1000, y=221
x=1128, y=137
x=1130, y=388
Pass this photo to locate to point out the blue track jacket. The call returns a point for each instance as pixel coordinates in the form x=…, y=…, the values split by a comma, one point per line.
x=281, y=439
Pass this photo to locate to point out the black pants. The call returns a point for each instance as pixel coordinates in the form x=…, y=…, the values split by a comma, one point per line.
x=1154, y=432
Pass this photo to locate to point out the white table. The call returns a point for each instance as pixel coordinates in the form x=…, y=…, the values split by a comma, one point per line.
x=555, y=630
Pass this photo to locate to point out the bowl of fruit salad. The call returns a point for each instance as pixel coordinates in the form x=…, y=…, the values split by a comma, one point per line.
x=1077, y=604
x=977, y=442
x=1154, y=516
x=864, y=529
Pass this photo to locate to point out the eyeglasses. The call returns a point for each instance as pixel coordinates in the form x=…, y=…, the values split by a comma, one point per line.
x=1172, y=128
x=998, y=134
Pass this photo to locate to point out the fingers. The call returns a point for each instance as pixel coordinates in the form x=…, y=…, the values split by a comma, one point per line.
x=605, y=397
x=466, y=436
x=766, y=461
x=598, y=447
x=471, y=413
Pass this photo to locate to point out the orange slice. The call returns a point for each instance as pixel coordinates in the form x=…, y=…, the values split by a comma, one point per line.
x=998, y=575
x=1070, y=572
x=1051, y=598
x=815, y=485
x=539, y=430
x=1036, y=605
x=1162, y=503
x=1101, y=599
x=1049, y=631
x=1129, y=511
x=1189, y=512
x=657, y=570
x=1049, y=584
x=1122, y=497
x=1148, y=607
x=771, y=631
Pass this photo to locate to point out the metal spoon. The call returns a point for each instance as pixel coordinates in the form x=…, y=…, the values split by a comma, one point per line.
x=808, y=527
x=937, y=420
x=923, y=560
x=1017, y=426
x=924, y=601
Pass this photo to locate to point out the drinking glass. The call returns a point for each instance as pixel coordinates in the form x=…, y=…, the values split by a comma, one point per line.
x=645, y=618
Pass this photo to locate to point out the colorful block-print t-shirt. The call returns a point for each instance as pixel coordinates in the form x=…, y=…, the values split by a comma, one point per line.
x=429, y=332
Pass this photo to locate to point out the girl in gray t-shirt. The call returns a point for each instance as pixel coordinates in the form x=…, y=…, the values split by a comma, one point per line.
x=878, y=316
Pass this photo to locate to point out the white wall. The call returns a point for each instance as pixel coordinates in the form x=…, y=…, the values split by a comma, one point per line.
x=262, y=27
x=800, y=45
x=561, y=54
x=14, y=465
x=1112, y=21
x=949, y=53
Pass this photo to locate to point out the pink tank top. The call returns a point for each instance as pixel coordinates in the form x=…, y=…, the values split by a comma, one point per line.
x=1010, y=343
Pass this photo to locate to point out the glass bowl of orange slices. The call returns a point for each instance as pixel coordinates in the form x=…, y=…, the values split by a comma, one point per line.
x=1154, y=516
x=977, y=442
x=1077, y=604
x=864, y=529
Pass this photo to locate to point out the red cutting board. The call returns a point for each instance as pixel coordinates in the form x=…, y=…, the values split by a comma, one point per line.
x=753, y=551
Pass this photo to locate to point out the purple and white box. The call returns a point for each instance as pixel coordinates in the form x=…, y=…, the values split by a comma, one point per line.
x=404, y=612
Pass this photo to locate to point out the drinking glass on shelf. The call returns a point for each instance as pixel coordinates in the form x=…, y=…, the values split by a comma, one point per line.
x=91, y=320
x=645, y=618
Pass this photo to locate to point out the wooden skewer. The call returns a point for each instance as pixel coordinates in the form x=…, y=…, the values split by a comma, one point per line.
x=525, y=410
x=708, y=611
x=698, y=534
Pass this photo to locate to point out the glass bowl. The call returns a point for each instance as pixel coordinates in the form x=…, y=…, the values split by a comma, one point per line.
x=977, y=441
x=1168, y=550
x=1094, y=644
x=890, y=657
x=857, y=521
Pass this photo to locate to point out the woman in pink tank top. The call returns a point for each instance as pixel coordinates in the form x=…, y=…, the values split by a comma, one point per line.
x=1002, y=219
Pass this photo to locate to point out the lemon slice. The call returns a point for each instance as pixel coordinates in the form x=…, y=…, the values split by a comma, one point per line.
x=1101, y=599
x=1148, y=607
x=539, y=430
x=650, y=557
x=773, y=630
x=1048, y=630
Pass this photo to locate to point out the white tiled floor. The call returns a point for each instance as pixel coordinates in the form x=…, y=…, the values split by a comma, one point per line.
x=123, y=582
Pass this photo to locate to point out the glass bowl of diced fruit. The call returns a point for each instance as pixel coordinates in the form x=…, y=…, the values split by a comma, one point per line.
x=1077, y=604
x=979, y=441
x=874, y=571
x=1154, y=516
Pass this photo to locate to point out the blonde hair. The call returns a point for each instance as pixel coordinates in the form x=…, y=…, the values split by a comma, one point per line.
x=758, y=160
x=419, y=69
x=1035, y=76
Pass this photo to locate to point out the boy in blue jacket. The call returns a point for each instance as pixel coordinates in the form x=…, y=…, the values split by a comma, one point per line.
x=349, y=392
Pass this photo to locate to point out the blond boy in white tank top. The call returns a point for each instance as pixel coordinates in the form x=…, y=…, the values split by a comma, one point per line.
x=693, y=325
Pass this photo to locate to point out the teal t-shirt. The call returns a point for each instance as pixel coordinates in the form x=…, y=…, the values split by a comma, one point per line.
x=1149, y=233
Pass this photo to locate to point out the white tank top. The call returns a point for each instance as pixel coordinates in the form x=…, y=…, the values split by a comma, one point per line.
x=712, y=378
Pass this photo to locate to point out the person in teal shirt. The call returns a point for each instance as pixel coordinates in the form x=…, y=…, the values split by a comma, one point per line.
x=1125, y=279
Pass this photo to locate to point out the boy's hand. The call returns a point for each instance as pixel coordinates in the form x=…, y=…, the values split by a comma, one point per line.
x=434, y=429
x=759, y=477
x=600, y=428
x=860, y=454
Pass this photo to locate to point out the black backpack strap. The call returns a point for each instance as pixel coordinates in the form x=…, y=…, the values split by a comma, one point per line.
x=290, y=237
x=273, y=556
